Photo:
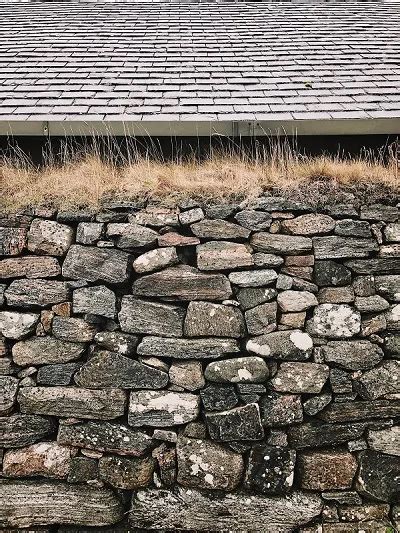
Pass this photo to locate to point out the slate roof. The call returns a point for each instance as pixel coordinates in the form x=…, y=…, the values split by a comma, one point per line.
x=126, y=60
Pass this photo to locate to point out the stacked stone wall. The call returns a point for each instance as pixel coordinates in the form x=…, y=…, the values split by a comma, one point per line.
x=205, y=368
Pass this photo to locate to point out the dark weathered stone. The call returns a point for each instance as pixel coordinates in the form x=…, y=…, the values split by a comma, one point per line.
x=352, y=228
x=45, y=350
x=131, y=236
x=353, y=355
x=334, y=321
x=211, y=348
x=392, y=345
x=262, y=318
x=348, y=411
x=334, y=247
x=162, y=408
x=207, y=465
x=386, y=213
x=49, y=237
x=73, y=329
x=57, y=374
x=47, y=459
x=223, y=255
x=167, y=464
x=330, y=273
x=313, y=434
x=216, y=320
x=280, y=244
x=340, y=381
x=379, y=265
x=151, y=318
x=15, y=325
x=270, y=469
x=158, y=510
x=309, y=224
x=222, y=210
x=96, y=264
x=36, y=292
x=219, y=229
x=314, y=405
x=31, y=503
x=187, y=374
x=115, y=341
x=127, y=473
x=378, y=476
x=250, y=297
x=219, y=397
x=253, y=278
x=12, y=240
x=83, y=470
x=381, y=380
x=22, y=430
x=253, y=220
x=110, y=369
x=280, y=409
x=30, y=266
x=8, y=394
x=326, y=470
x=348, y=497
x=79, y=214
x=105, y=437
x=300, y=378
x=240, y=423
x=155, y=260
x=389, y=286
x=365, y=513
x=392, y=317
x=385, y=440
x=291, y=345
x=94, y=300
x=238, y=370
x=183, y=283
x=71, y=401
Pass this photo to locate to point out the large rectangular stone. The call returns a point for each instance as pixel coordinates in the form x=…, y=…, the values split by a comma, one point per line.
x=207, y=348
x=280, y=244
x=348, y=411
x=30, y=266
x=334, y=247
x=162, y=408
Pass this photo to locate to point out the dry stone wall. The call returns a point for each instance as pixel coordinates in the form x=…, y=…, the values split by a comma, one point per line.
x=205, y=368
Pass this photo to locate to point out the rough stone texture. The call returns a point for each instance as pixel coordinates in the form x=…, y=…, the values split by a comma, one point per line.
x=335, y=321
x=36, y=293
x=219, y=397
x=326, y=470
x=254, y=220
x=380, y=381
x=206, y=465
x=343, y=247
x=330, y=273
x=197, y=511
x=15, y=325
x=155, y=260
x=108, y=369
x=89, y=232
x=29, y=266
x=13, y=241
x=353, y=355
x=251, y=297
x=209, y=348
x=22, y=430
x=280, y=409
x=75, y=402
x=73, y=329
x=262, y=318
x=34, y=503
x=49, y=237
x=223, y=255
x=45, y=350
x=348, y=411
x=59, y=374
x=255, y=278
x=291, y=345
x=162, y=408
x=105, y=437
x=378, y=476
x=209, y=319
x=95, y=300
x=385, y=440
x=270, y=469
x=388, y=286
x=47, y=459
x=352, y=228
x=219, y=230
x=127, y=473
x=299, y=378
x=238, y=370
x=240, y=423
x=176, y=239
x=96, y=264
x=131, y=236
x=183, y=283
x=371, y=304
x=8, y=394
x=115, y=341
x=151, y=318
x=280, y=244
x=155, y=216
x=379, y=212
x=310, y=224
x=187, y=374
x=295, y=301
x=392, y=232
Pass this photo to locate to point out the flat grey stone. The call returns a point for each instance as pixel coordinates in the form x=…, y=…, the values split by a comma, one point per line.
x=250, y=297
x=335, y=247
x=99, y=300
x=380, y=381
x=263, y=260
x=13, y=241
x=223, y=255
x=36, y=293
x=280, y=244
x=360, y=410
x=262, y=318
x=156, y=217
x=309, y=224
x=378, y=265
x=378, y=475
x=317, y=434
x=219, y=397
x=131, y=236
x=371, y=304
x=330, y=273
x=296, y=301
x=291, y=345
x=392, y=232
x=117, y=341
x=207, y=348
x=45, y=350
x=8, y=394
x=253, y=278
x=58, y=374
x=353, y=228
x=22, y=430
x=352, y=355
x=378, y=212
x=253, y=220
x=209, y=319
x=238, y=370
x=300, y=378
x=73, y=329
x=388, y=286
x=314, y=405
x=219, y=229
x=187, y=374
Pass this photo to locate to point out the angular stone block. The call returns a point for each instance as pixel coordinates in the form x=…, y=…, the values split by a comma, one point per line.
x=326, y=470
x=296, y=301
x=300, y=378
x=385, y=440
x=216, y=320
x=22, y=430
x=12, y=240
x=98, y=300
x=309, y=224
x=348, y=411
x=131, y=236
x=280, y=244
x=222, y=255
x=378, y=475
x=381, y=380
x=126, y=473
x=218, y=229
x=240, y=423
x=280, y=409
x=352, y=355
x=270, y=469
x=29, y=266
x=15, y=325
x=334, y=247
x=253, y=278
x=36, y=292
x=262, y=318
x=314, y=434
x=45, y=350
x=73, y=329
x=47, y=237
x=211, y=348
x=155, y=260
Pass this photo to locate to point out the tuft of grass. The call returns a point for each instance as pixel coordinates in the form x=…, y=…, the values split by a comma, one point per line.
x=86, y=179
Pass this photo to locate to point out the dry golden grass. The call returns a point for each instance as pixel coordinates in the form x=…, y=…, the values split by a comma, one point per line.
x=88, y=180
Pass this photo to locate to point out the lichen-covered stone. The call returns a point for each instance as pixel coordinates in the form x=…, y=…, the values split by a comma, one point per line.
x=219, y=397
x=8, y=394
x=49, y=237
x=378, y=212
x=216, y=320
x=336, y=247
x=183, y=283
x=116, y=341
x=270, y=469
x=253, y=220
x=45, y=350
x=219, y=229
x=15, y=325
x=72, y=401
x=155, y=216
x=250, y=297
x=126, y=473
x=353, y=355
x=131, y=236
x=388, y=286
x=99, y=300
x=207, y=465
x=36, y=293
x=89, y=232
x=335, y=321
x=295, y=301
x=300, y=378
x=155, y=260
x=207, y=348
x=109, y=369
x=309, y=224
x=392, y=317
x=29, y=266
x=291, y=345
x=262, y=318
x=162, y=408
x=392, y=232
x=223, y=255
x=238, y=370
x=280, y=409
x=385, y=440
x=48, y=459
x=381, y=380
x=253, y=278
x=326, y=470
x=13, y=241
x=96, y=264
x=191, y=216
x=378, y=475
x=239, y=423
x=187, y=374
x=280, y=244
x=105, y=437
x=18, y=430
x=151, y=318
